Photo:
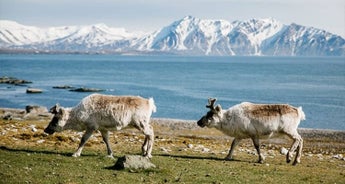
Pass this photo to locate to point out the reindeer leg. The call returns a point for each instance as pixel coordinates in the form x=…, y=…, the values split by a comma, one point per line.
x=85, y=137
x=231, y=151
x=149, y=139
x=299, y=153
x=298, y=143
x=105, y=136
x=256, y=142
x=147, y=129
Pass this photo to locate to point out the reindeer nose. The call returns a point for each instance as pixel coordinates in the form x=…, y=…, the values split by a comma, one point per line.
x=200, y=123
x=49, y=131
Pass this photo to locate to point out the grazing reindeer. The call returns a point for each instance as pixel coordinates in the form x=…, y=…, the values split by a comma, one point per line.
x=105, y=113
x=256, y=121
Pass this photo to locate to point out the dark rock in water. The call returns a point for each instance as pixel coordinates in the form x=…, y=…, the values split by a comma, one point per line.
x=86, y=90
x=12, y=80
x=33, y=90
x=133, y=162
x=63, y=87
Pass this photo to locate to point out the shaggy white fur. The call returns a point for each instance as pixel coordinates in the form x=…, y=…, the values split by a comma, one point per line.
x=104, y=113
x=256, y=121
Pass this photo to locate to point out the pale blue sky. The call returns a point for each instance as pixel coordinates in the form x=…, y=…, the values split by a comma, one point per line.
x=149, y=15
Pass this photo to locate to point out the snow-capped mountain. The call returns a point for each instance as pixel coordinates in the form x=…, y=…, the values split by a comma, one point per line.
x=188, y=36
x=14, y=34
x=67, y=38
x=297, y=40
x=85, y=38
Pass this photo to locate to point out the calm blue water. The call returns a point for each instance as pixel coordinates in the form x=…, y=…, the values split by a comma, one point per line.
x=181, y=85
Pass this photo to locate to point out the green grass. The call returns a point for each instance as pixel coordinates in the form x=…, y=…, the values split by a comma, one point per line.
x=51, y=166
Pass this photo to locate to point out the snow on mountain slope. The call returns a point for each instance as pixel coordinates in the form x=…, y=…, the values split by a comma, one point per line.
x=211, y=37
x=12, y=33
x=187, y=36
x=91, y=37
x=62, y=38
x=297, y=40
x=195, y=36
x=256, y=31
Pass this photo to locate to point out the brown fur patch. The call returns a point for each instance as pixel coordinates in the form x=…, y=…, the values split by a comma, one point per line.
x=269, y=110
x=102, y=101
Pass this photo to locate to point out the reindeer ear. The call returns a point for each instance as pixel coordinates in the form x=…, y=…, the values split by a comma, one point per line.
x=55, y=109
x=218, y=108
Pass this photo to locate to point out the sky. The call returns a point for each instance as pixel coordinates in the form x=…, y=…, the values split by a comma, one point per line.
x=150, y=15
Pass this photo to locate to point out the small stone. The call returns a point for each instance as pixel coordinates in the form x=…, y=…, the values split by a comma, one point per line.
x=283, y=151
x=33, y=128
x=199, y=146
x=164, y=149
x=338, y=156
x=40, y=141
x=271, y=153
x=190, y=146
x=205, y=149
x=7, y=117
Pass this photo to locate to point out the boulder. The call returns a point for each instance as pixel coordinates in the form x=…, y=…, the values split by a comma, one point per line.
x=35, y=109
x=63, y=87
x=133, y=162
x=14, y=81
x=35, y=112
x=86, y=90
x=33, y=90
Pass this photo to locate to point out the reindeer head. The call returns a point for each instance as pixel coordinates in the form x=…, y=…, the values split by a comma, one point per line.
x=213, y=116
x=58, y=121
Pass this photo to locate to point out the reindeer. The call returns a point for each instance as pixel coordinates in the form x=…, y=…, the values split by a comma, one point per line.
x=105, y=113
x=256, y=121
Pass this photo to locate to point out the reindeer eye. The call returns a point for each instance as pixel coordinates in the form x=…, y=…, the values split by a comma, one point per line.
x=209, y=115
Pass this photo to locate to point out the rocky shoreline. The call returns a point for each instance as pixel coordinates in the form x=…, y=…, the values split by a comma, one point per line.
x=22, y=82
x=13, y=80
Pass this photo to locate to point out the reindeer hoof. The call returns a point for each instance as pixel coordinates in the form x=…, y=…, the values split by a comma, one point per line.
x=110, y=156
x=149, y=156
x=288, y=160
x=295, y=162
x=75, y=155
x=229, y=159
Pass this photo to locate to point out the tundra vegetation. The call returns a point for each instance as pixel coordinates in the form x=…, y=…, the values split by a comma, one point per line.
x=183, y=153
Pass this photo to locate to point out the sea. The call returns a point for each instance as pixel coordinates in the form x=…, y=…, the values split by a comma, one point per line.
x=181, y=85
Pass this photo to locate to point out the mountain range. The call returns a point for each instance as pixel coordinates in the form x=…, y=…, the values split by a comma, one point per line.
x=187, y=36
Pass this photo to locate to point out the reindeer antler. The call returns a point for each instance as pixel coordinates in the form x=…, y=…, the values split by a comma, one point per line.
x=211, y=102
